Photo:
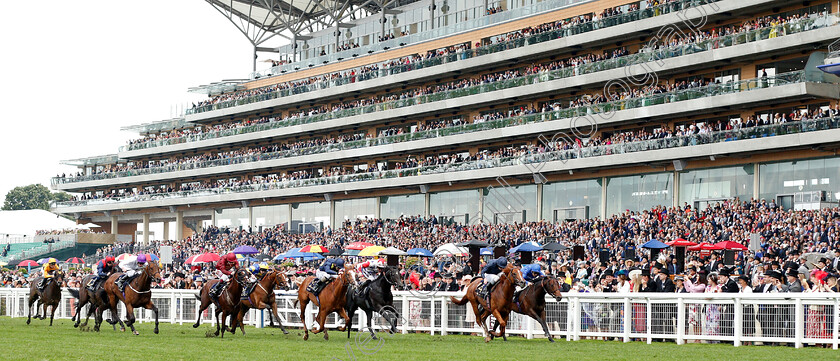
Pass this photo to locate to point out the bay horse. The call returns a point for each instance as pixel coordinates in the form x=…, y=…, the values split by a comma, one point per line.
x=531, y=301
x=261, y=298
x=379, y=299
x=227, y=301
x=332, y=298
x=98, y=304
x=50, y=296
x=501, y=300
x=138, y=293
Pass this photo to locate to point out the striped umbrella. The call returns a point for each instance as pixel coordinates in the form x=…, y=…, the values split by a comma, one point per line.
x=314, y=248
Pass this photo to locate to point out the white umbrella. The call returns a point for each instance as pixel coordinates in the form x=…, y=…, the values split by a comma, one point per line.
x=92, y=225
x=392, y=251
x=450, y=249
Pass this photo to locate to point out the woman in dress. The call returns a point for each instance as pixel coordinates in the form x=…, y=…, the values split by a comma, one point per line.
x=711, y=320
x=695, y=284
x=815, y=325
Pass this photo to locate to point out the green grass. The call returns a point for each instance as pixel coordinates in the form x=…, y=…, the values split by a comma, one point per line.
x=38, y=341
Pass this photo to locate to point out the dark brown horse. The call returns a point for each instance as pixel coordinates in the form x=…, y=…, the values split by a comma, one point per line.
x=98, y=301
x=261, y=298
x=50, y=296
x=331, y=299
x=227, y=302
x=501, y=300
x=531, y=301
x=138, y=293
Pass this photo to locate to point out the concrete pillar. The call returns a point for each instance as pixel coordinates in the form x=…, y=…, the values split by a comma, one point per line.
x=427, y=210
x=179, y=225
x=378, y=207
x=166, y=230
x=480, y=218
x=146, y=218
x=603, y=197
x=334, y=222
x=115, y=225
x=676, y=196
x=539, y=202
x=756, y=180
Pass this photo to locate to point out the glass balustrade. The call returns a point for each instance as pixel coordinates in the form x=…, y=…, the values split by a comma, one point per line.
x=805, y=24
x=585, y=152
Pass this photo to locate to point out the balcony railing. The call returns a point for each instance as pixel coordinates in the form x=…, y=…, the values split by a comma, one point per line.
x=630, y=147
x=688, y=94
x=811, y=23
x=674, y=6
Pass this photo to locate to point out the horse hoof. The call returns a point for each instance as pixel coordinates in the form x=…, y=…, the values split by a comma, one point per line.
x=305, y=337
x=487, y=339
x=136, y=333
x=96, y=329
x=122, y=329
x=76, y=326
x=195, y=326
x=156, y=331
x=216, y=333
x=326, y=337
x=28, y=321
x=551, y=339
x=285, y=332
x=373, y=337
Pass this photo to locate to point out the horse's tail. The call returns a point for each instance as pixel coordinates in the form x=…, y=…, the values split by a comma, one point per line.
x=74, y=292
x=461, y=302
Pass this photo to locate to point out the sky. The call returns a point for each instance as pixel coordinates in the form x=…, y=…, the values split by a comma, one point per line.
x=75, y=72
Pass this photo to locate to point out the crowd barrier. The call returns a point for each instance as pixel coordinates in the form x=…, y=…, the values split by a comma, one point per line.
x=783, y=318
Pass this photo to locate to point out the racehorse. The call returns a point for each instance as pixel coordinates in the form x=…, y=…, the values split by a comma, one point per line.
x=531, y=301
x=227, y=301
x=501, y=300
x=98, y=304
x=50, y=296
x=332, y=298
x=138, y=293
x=380, y=299
x=261, y=298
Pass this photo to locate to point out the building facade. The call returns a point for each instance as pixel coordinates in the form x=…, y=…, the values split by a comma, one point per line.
x=517, y=112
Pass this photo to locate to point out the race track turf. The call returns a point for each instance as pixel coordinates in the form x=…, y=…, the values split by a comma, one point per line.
x=38, y=341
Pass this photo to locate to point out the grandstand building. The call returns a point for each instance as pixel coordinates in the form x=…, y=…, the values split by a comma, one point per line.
x=488, y=111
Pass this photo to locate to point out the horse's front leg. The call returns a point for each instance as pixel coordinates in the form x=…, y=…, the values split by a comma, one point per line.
x=502, y=323
x=343, y=313
x=369, y=315
x=29, y=310
x=52, y=314
x=130, y=318
x=277, y=316
x=151, y=306
x=541, y=319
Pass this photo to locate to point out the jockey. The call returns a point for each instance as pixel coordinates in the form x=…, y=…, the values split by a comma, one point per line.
x=491, y=271
x=327, y=272
x=223, y=272
x=370, y=270
x=132, y=266
x=531, y=272
x=104, y=268
x=49, y=269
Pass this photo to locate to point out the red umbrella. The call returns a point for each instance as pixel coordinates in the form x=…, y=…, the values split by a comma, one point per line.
x=28, y=263
x=75, y=260
x=705, y=246
x=679, y=242
x=190, y=259
x=206, y=257
x=358, y=246
x=729, y=245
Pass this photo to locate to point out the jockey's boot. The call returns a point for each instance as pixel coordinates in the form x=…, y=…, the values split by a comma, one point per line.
x=362, y=290
x=121, y=281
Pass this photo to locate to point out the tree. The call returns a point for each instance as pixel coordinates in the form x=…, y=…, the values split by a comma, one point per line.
x=33, y=196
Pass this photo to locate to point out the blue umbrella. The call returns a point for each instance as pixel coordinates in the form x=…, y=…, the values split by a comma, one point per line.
x=654, y=244
x=486, y=251
x=286, y=254
x=245, y=250
x=526, y=247
x=420, y=252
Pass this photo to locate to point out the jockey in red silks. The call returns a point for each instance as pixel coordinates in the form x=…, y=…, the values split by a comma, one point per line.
x=224, y=268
